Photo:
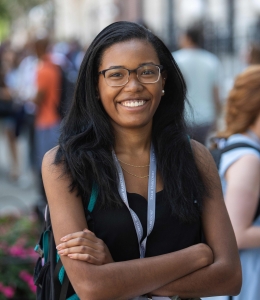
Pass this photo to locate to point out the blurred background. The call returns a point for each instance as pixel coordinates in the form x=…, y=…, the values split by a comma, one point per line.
x=230, y=30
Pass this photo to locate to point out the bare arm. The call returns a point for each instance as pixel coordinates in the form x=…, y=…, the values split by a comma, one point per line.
x=121, y=280
x=39, y=97
x=223, y=277
x=5, y=93
x=242, y=196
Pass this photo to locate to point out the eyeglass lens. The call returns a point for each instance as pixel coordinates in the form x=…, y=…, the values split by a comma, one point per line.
x=145, y=74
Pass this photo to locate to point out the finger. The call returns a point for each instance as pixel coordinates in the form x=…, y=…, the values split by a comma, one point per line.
x=80, y=250
x=78, y=242
x=85, y=257
x=85, y=234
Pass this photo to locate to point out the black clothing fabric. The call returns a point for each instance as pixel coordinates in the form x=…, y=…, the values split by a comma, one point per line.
x=116, y=228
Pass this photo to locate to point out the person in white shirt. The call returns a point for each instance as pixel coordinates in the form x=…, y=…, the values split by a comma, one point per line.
x=201, y=70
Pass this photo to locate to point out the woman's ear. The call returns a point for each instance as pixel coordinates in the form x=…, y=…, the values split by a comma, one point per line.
x=164, y=77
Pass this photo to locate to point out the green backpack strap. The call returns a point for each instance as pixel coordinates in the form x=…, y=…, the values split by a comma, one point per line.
x=61, y=273
x=93, y=197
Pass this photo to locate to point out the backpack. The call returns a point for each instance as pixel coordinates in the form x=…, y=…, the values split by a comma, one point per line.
x=49, y=274
x=216, y=153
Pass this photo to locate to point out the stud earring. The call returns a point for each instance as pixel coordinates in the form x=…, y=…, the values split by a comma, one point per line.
x=163, y=92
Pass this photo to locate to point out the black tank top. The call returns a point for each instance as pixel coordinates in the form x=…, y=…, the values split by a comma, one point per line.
x=116, y=228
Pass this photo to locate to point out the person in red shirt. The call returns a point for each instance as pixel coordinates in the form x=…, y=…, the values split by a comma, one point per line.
x=47, y=119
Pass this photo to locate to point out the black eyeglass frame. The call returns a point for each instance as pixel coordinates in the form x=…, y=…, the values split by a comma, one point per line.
x=103, y=72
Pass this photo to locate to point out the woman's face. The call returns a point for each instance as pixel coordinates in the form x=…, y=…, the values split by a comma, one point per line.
x=134, y=104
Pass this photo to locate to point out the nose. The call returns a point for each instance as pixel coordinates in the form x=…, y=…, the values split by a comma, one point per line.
x=133, y=83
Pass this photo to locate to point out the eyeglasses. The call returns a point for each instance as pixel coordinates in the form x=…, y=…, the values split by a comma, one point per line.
x=119, y=76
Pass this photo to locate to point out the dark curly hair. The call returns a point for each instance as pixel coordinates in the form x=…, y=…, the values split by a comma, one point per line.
x=87, y=138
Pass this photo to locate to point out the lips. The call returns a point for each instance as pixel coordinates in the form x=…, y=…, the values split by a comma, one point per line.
x=133, y=103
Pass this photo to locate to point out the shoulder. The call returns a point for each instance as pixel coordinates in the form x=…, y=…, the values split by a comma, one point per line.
x=201, y=154
x=210, y=56
x=238, y=153
x=250, y=160
x=247, y=167
x=179, y=55
x=208, y=60
x=48, y=163
x=56, y=180
x=49, y=156
x=205, y=162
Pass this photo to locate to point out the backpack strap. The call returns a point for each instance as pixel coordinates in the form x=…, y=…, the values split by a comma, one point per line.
x=64, y=287
x=61, y=280
x=238, y=145
x=56, y=279
x=216, y=153
x=93, y=197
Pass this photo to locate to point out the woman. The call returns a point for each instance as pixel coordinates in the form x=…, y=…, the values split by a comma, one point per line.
x=240, y=176
x=126, y=114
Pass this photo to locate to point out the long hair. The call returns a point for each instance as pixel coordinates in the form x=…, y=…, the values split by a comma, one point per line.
x=87, y=137
x=243, y=103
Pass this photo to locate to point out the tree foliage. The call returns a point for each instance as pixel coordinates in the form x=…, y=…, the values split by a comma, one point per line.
x=11, y=9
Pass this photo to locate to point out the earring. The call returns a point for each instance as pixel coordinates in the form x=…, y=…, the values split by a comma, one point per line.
x=163, y=92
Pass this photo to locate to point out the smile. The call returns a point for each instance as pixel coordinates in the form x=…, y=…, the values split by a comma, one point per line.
x=133, y=103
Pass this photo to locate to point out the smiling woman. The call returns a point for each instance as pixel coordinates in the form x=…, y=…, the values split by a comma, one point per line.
x=157, y=191
x=131, y=92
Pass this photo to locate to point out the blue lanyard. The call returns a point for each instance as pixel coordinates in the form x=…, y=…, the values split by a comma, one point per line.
x=151, y=200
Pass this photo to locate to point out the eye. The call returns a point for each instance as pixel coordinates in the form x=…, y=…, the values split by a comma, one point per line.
x=115, y=74
x=148, y=72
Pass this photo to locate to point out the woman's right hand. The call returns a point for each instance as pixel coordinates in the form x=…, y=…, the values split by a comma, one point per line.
x=84, y=245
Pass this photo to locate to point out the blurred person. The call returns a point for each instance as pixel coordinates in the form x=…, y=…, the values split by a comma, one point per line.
x=240, y=176
x=125, y=133
x=68, y=74
x=7, y=93
x=13, y=77
x=26, y=92
x=47, y=119
x=201, y=70
x=73, y=52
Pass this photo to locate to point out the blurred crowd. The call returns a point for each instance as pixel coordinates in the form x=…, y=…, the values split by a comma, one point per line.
x=36, y=85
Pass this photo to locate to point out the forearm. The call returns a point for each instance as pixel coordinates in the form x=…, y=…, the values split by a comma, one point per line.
x=5, y=94
x=213, y=280
x=124, y=280
x=249, y=238
x=39, y=97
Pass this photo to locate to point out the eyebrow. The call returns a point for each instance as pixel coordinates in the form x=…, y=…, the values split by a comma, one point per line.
x=140, y=65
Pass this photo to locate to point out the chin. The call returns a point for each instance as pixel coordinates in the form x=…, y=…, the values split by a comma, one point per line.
x=136, y=125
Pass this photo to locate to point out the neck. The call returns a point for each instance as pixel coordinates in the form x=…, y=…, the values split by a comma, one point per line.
x=191, y=46
x=133, y=141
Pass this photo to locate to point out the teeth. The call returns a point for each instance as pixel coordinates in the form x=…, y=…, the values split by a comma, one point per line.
x=134, y=103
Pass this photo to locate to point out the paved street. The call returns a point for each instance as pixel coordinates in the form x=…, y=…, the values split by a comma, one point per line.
x=20, y=195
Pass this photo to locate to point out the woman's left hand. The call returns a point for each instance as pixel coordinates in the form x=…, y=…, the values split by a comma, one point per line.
x=84, y=245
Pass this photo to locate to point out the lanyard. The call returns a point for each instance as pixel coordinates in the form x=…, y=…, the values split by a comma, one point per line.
x=151, y=200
